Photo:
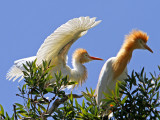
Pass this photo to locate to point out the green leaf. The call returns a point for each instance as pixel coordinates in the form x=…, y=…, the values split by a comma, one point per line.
x=42, y=107
x=117, y=90
x=29, y=103
x=158, y=95
x=135, y=91
x=44, y=64
x=19, y=105
x=7, y=116
x=92, y=91
x=142, y=71
x=39, y=110
x=24, y=88
x=83, y=104
x=107, y=96
x=24, y=115
x=72, y=83
x=96, y=110
x=71, y=98
x=12, y=118
x=55, y=90
x=124, y=100
x=34, y=62
x=21, y=111
x=49, y=89
x=87, y=90
x=25, y=67
x=83, y=111
x=2, y=110
x=122, y=87
x=25, y=73
x=76, y=103
x=34, y=91
x=60, y=74
x=86, y=97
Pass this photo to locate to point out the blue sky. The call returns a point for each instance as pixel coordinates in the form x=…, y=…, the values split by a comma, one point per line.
x=24, y=24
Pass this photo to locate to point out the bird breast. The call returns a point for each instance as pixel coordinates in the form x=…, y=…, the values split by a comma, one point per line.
x=79, y=74
x=65, y=70
x=106, y=82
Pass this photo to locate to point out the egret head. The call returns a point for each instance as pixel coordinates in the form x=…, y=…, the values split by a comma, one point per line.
x=82, y=56
x=137, y=40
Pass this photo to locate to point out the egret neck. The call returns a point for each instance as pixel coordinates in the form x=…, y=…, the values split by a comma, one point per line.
x=122, y=59
x=79, y=71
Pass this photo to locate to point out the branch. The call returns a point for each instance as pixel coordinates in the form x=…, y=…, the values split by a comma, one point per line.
x=57, y=102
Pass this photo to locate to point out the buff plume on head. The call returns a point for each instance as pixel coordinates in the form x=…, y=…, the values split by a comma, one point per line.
x=82, y=56
x=131, y=40
x=137, y=34
x=135, y=40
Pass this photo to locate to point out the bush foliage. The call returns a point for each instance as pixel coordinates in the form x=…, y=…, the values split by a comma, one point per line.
x=140, y=98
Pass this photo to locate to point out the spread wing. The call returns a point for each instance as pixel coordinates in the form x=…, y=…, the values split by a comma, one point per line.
x=56, y=46
x=16, y=70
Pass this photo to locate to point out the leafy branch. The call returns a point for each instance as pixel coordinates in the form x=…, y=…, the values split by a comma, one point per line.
x=43, y=98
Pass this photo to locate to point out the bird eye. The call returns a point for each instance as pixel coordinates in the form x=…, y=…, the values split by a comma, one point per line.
x=86, y=55
x=140, y=41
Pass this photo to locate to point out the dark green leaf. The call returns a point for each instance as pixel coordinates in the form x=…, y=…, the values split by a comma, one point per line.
x=124, y=100
x=19, y=105
x=42, y=107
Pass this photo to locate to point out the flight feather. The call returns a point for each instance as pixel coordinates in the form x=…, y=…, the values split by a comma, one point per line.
x=64, y=36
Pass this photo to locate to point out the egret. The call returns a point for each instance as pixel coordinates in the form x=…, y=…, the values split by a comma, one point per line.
x=55, y=49
x=115, y=68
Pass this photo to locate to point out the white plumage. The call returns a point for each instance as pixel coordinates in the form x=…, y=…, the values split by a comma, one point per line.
x=106, y=83
x=55, y=48
x=16, y=70
x=67, y=33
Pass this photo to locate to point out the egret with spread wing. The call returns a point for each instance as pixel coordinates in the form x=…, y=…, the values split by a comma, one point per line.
x=55, y=49
x=115, y=68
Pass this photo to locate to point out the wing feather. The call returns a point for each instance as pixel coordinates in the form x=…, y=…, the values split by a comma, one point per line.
x=64, y=36
x=55, y=45
x=16, y=70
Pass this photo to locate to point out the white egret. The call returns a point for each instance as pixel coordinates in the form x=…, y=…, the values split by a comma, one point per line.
x=55, y=48
x=115, y=68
